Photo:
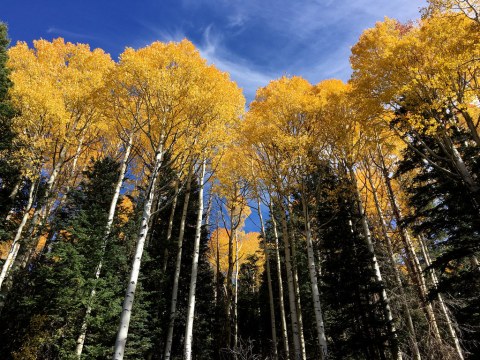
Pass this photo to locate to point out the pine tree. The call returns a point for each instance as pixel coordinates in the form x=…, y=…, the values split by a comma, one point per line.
x=52, y=294
x=9, y=170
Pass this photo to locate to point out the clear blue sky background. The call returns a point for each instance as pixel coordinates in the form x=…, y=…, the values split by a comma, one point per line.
x=254, y=40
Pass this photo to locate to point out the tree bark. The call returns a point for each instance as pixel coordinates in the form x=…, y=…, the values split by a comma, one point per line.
x=193, y=279
x=322, y=340
x=235, y=301
x=170, y=227
x=108, y=229
x=433, y=276
x=376, y=267
x=292, y=295
x=15, y=246
x=269, y=281
x=398, y=279
x=283, y=321
x=40, y=212
x=417, y=275
x=122, y=334
x=296, y=285
x=178, y=263
x=12, y=197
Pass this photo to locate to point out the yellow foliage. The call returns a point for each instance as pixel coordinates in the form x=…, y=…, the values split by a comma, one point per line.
x=426, y=68
x=248, y=244
x=167, y=94
x=5, y=248
x=56, y=86
x=125, y=209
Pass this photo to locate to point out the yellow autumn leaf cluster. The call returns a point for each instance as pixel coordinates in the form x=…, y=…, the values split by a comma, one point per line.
x=423, y=71
x=56, y=86
x=248, y=244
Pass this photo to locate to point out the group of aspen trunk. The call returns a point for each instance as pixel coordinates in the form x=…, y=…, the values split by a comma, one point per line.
x=163, y=105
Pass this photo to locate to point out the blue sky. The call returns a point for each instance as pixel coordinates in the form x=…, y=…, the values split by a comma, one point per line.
x=254, y=40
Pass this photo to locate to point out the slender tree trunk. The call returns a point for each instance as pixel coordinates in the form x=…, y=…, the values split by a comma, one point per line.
x=40, y=212
x=178, y=263
x=417, y=275
x=283, y=321
x=170, y=227
x=291, y=288
x=15, y=190
x=376, y=267
x=398, y=279
x=122, y=334
x=15, y=246
x=269, y=281
x=433, y=276
x=230, y=292
x=235, y=301
x=322, y=340
x=217, y=268
x=228, y=298
x=108, y=229
x=72, y=172
x=471, y=126
x=296, y=285
x=193, y=279
x=467, y=177
x=50, y=209
x=12, y=197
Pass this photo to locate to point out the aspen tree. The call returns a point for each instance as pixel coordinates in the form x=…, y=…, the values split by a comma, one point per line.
x=399, y=84
x=398, y=279
x=166, y=90
x=176, y=277
x=283, y=109
x=217, y=114
x=417, y=275
x=55, y=88
x=450, y=326
x=348, y=140
x=233, y=188
x=470, y=8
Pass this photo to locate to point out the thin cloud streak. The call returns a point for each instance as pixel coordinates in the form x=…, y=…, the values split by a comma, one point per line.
x=310, y=38
x=243, y=73
x=67, y=33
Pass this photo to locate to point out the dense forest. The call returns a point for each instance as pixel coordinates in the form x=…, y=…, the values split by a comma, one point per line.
x=125, y=187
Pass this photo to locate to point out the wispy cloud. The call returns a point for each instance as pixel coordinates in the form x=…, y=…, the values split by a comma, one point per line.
x=257, y=41
x=244, y=73
x=69, y=34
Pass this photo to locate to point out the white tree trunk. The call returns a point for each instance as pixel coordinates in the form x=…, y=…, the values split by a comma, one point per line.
x=418, y=275
x=451, y=329
x=176, y=276
x=15, y=246
x=187, y=355
x=467, y=177
x=235, y=300
x=322, y=340
x=376, y=267
x=291, y=289
x=170, y=227
x=269, y=281
x=41, y=210
x=398, y=279
x=12, y=197
x=122, y=334
x=283, y=321
x=296, y=286
x=108, y=229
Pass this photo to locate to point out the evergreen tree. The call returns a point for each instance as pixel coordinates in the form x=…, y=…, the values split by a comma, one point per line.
x=49, y=298
x=445, y=214
x=9, y=171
